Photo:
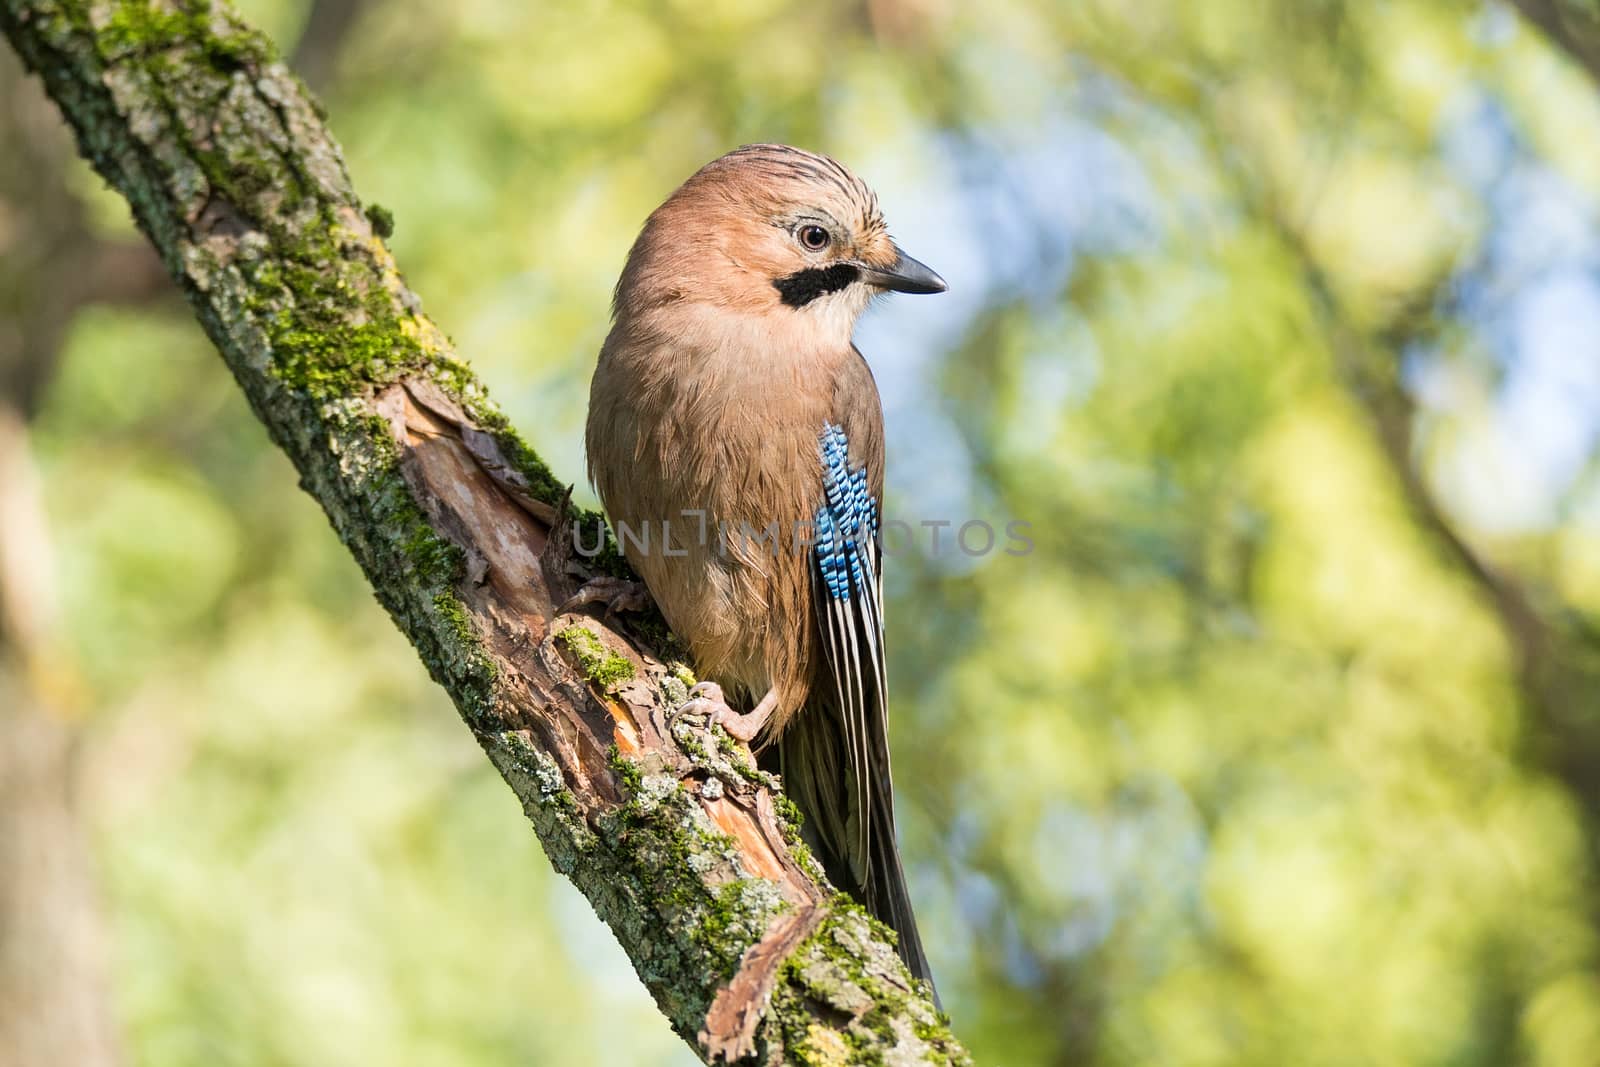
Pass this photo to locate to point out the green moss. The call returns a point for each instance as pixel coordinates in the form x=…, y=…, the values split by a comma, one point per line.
x=790, y=820
x=788, y=810
x=933, y=1031
x=139, y=26
x=454, y=613
x=381, y=219
x=835, y=967
x=688, y=741
x=326, y=360
x=433, y=559
x=626, y=770
x=136, y=26
x=596, y=662
x=677, y=850
x=542, y=482
x=334, y=326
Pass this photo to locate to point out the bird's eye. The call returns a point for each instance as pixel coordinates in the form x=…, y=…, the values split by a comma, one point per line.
x=814, y=237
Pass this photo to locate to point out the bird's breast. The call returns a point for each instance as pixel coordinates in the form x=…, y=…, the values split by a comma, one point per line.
x=734, y=430
x=708, y=464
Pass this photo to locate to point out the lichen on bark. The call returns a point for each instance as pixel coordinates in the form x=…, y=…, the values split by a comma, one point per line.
x=688, y=853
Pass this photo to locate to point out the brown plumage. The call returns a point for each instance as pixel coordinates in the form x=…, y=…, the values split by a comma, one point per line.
x=729, y=356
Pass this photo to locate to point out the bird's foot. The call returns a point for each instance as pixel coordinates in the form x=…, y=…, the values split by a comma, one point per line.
x=617, y=594
x=707, y=703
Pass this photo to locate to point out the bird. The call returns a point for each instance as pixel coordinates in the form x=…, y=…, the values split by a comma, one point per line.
x=732, y=417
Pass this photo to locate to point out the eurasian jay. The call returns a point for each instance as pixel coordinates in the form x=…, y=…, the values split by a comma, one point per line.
x=736, y=439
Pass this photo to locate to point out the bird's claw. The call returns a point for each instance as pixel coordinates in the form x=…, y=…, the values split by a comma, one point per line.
x=617, y=594
x=708, y=691
x=706, y=702
x=701, y=706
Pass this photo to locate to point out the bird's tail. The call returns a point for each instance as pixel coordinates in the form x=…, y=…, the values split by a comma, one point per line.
x=808, y=757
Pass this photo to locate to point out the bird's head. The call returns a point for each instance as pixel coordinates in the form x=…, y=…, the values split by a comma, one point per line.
x=770, y=231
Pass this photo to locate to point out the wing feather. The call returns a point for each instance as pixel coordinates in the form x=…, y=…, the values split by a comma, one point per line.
x=849, y=601
x=835, y=756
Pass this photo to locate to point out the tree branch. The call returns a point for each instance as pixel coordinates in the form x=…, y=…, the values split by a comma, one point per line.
x=676, y=839
x=1571, y=25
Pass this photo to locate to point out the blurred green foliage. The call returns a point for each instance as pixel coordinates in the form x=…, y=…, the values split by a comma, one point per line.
x=1273, y=321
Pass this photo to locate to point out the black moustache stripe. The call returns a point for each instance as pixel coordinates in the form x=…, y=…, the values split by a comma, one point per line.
x=803, y=286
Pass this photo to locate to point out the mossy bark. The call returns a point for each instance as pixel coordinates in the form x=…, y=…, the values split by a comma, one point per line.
x=680, y=844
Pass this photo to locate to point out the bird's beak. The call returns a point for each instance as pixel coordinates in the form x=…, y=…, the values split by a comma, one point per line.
x=904, y=275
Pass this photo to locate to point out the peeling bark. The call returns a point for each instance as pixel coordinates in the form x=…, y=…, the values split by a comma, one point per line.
x=678, y=841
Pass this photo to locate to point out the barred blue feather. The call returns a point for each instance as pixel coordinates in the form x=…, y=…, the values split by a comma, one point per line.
x=847, y=521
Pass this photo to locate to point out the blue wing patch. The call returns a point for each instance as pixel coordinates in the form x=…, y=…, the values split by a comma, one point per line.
x=847, y=522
